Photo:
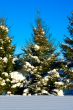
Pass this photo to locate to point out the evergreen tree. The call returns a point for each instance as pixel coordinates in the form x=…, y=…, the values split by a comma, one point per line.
x=11, y=82
x=6, y=56
x=67, y=49
x=6, y=48
x=68, y=46
x=38, y=61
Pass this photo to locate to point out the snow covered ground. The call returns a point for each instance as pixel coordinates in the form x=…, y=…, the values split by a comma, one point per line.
x=36, y=103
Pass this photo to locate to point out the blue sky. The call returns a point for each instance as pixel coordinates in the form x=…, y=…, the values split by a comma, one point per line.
x=21, y=16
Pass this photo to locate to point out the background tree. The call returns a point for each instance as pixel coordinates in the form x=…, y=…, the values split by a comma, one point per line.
x=68, y=46
x=38, y=60
x=67, y=50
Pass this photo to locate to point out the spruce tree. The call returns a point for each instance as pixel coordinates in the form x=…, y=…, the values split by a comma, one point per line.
x=6, y=48
x=11, y=82
x=67, y=50
x=6, y=56
x=68, y=46
x=38, y=61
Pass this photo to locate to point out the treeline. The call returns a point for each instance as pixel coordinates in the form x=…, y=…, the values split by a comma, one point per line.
x=38, y=71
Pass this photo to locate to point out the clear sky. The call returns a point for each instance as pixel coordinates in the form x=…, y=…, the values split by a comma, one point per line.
x=21, y=16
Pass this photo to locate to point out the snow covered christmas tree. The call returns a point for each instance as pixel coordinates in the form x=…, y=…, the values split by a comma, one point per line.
x=38, y=61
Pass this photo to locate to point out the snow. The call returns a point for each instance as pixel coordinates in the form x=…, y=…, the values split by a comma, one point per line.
x=49, y=59
x=0, y=78
x=46, y=78
x=14, y=59
x=54, y=72
x=5, y=73
x=34, y=70
x=68, y=80
x=38, y=89
x=28, y=65
x=44, y=92
x=7, y=80
x=36, y=58
x=24, y=94
x=59, y=92
x=5, y=60
x=1, y=47
x=17, y=76
x=9, y=92
x=59, y=83
x=3, y=83
x=4, y=28
x=36, y=47
x=25, y=90
x=17, y=85
x=0, y=58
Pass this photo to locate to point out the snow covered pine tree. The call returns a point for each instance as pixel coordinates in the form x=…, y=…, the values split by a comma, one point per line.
x=10, y=82
x=38, y=60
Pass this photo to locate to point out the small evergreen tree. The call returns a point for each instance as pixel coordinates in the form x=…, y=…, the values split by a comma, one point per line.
x=38, y=61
